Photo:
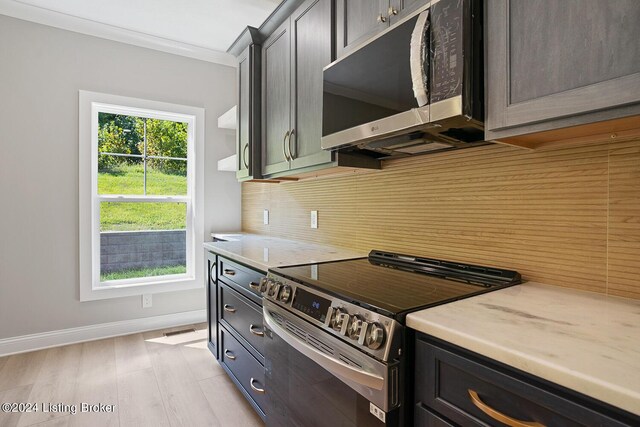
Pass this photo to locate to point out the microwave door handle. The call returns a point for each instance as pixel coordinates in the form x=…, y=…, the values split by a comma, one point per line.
x=332, y=365
x=418, y=59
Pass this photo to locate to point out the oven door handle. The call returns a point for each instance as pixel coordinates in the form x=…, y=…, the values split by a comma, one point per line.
x=332, y=365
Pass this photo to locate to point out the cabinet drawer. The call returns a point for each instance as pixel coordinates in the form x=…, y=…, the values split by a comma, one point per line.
x=446, y=381
x=425, y=418
x=246, y=369
x=245, y=278
x=243, y=316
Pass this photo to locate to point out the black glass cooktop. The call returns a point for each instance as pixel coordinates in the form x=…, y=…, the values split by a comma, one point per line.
x=396, y=284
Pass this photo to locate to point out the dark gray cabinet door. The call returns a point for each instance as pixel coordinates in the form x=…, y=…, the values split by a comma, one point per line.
x=243, y=317
x=469, y=390
x=276, y=100
x=399, y=9
x=357, y=21
x=311, y=41
x=556, y=63
x=212, y=303
x=242, y=133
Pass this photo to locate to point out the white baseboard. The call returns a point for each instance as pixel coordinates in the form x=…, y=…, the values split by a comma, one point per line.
x=42, y=340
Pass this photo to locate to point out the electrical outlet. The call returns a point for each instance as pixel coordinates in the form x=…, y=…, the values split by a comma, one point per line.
x=314, y=219
x=147, y=301
x=266, y=217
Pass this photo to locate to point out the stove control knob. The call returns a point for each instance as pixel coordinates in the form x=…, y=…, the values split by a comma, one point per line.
x=264, y=284
x=274, y=287
x=285, y=294
x=355, y=327
x=344, y=323
x=336, y=319
x=375, y=336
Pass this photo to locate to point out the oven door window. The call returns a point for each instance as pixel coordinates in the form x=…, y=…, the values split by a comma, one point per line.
x=300, y=392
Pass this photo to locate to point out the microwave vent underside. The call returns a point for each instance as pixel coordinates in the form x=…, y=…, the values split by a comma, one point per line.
x=419, y=143
x=422, y=147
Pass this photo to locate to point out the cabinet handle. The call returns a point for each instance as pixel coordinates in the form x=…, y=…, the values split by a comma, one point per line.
x=293, y=131
x=255, y=286
x=229, y=272
x=284, y=146
x=498, y=416
x=392, y=11
x=229, y=308
x=229, y=355
x=382, y=18
x=254, y=388
x=244, y=156
x=252, y=329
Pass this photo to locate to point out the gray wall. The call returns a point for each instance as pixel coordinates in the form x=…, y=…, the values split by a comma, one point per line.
x=41, y=71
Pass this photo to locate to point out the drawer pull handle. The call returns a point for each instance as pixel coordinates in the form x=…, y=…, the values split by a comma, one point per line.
x=229, y=308
x=255, y=286
x=229, y=272
x=254, y=388
x=229, y=355
x=254, y=331
x=498, y=416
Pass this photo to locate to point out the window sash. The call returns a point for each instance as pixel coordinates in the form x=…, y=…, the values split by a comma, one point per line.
x=96, y=198
x=139, y=199
x=140, y=156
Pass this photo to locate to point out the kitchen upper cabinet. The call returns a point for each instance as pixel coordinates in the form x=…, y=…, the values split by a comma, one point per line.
x=293, y=59
x=359, y=20
x=398, y=9
x=553, y=64
x=311, y=36
x=248, y=119
x=276, y=100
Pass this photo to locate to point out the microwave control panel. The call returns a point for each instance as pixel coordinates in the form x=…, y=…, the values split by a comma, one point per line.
x=447, y=65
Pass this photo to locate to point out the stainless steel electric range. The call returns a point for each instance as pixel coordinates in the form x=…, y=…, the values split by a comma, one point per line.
x=337, y=349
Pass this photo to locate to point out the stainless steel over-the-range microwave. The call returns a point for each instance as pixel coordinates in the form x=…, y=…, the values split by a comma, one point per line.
x=415, y=88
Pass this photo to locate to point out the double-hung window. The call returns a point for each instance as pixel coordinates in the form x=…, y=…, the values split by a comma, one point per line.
x=140, y=196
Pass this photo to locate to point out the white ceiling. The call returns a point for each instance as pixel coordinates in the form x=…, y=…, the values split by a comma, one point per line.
x=196, y=28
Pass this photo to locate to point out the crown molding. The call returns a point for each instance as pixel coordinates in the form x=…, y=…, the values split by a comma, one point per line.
x=27, y=12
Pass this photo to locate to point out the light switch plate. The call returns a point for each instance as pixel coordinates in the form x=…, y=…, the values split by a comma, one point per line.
x=147, y=301
x=266, y=217
x=314, y=219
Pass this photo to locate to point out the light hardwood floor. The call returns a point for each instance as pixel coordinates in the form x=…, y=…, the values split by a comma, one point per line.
x=151, y=379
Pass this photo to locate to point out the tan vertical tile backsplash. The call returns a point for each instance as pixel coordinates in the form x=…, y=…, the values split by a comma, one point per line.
x=569, y=216
x=624, y=220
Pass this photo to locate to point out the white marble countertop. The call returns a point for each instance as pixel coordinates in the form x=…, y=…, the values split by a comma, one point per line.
x=263, y=252
x=231, y=235
x=584, y=341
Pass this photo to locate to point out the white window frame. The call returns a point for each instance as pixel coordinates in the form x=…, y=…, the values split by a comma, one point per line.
x=90, y=105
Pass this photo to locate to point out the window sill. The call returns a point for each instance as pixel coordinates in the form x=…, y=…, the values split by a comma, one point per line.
x=135, y=289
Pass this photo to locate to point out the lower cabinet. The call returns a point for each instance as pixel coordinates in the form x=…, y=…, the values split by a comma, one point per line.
x=425, y=418
x=454, y=387
x=244, y=369
x=211, y=285
x=234, y=312
x=244, y=317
